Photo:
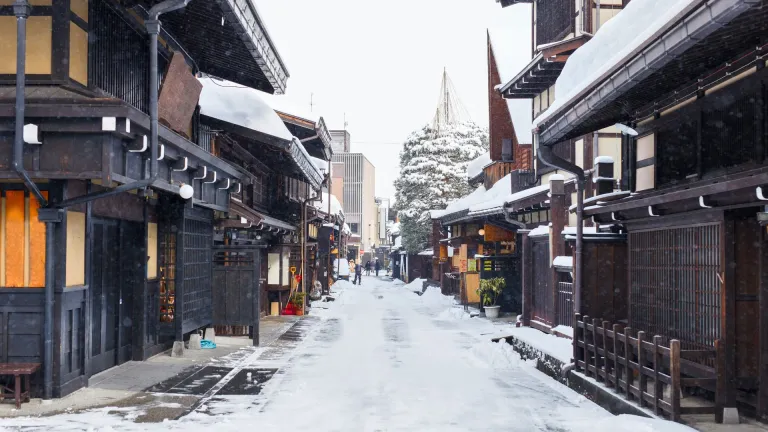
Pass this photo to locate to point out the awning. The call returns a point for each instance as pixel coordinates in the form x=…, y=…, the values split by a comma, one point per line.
x=674, y=56
x=251, y=219
x=227, y=38
x=542, y=72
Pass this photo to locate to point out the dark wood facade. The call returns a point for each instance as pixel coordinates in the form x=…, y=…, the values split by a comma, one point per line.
x=132, y=272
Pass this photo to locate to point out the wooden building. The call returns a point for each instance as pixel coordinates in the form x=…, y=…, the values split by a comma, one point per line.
x=559, y=29
x=692, y=206
x=101, y=259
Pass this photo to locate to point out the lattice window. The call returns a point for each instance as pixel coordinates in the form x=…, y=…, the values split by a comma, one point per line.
x=198, y=241
x=167, y=280
x=675, y=284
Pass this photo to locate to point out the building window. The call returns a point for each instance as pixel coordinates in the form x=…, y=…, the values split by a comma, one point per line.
x=355, y=228
x=506, y=149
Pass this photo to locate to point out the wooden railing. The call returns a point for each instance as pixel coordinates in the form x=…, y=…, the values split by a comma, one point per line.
x=641, y=369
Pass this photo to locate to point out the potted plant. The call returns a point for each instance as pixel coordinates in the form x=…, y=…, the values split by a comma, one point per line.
x=297, y=300
x=489, y=292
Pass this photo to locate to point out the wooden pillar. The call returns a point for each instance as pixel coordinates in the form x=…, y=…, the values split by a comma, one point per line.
x=762, y=400
x=527, y=256
x=559, y=209
x=728, y=310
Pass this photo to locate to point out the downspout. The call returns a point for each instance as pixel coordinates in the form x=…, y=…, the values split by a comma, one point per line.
x=549, y=158
x=22, y=10
x=597, y=16
x=152, y=24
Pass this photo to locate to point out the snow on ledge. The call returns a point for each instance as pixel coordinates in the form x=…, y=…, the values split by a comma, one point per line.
x=569, y=230
x=477, y=165
x=556, y=177
x=603, y=159
x=564, y=330
x=539, y=231
x=563, y=262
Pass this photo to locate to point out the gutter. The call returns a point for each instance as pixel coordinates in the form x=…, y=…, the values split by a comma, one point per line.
x=696, y=21
x=547, y=156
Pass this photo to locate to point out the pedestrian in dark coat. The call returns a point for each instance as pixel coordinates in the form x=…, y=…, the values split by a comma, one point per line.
x=378, y=267
x=367, y=268
x=358, y=274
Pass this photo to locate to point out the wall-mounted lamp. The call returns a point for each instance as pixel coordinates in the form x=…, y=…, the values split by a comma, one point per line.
x=186, y=191
x=481, y=232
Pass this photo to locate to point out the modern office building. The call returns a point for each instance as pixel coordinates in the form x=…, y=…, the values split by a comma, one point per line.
x=359, y=203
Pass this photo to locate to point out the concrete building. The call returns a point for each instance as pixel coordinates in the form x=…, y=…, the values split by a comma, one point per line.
x=383, y=209
x=340, y=141
x=359, y=202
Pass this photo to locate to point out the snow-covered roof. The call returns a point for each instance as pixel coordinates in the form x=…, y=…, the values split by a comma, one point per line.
x=322, y=165
x=494, y=197
x=426, y=252
x=395, y=230
x=563, y=262
x=465, y=202
x=612, y=44
x=436, y=214
x=539, y=231
x=525, y=193
x=241, y=106
x=322, y=205
x=505, y=42
x=289, y=105
x=572, y=230
x=476, y=166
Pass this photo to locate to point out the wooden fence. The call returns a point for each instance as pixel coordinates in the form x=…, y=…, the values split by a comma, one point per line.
x=564, y=306
x=641, y=369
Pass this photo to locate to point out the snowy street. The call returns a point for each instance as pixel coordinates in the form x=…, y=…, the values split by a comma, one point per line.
x=378, y=358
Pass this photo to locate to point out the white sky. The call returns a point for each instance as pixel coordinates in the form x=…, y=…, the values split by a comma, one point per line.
x=381, y=63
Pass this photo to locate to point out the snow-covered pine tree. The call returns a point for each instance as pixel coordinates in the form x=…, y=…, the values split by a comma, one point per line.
x=433, y=167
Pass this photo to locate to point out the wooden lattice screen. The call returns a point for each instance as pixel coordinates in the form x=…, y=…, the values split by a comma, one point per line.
x=675, y=284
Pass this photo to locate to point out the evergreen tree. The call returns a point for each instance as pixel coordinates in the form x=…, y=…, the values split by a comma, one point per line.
x=433, y=172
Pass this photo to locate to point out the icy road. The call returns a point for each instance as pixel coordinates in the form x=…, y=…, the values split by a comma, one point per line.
x=381, y=358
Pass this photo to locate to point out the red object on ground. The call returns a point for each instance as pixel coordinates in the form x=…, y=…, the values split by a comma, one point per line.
x=289, y=309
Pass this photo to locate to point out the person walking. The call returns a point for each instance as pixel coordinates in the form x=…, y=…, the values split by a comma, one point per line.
x=367, y=268
x=377, y=266
x=358, y=275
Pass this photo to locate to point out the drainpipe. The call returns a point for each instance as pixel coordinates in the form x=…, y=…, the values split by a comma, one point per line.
x=597, y=16
x=22, y=9
x=549, y=158
x=153, y=28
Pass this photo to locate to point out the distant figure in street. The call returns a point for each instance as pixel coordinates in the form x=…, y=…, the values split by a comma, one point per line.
x=378, y=267
x=367, y=268
x=358, y=275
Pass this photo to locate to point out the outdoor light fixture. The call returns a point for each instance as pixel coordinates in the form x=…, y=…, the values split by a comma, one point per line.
x=186, y=191
x=481, y=232
x=626, y=130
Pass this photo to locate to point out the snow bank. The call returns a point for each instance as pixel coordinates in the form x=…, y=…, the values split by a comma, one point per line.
x=611, y=46
x=241, y=106
x=564, y=330
x=495, y=355
x=432, y=296
x=631, y=423
x=453, y=314
x=557, y=347
x=416, y=284
x=476, y=166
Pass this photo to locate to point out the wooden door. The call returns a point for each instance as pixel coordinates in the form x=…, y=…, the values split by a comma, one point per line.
x=105, y=294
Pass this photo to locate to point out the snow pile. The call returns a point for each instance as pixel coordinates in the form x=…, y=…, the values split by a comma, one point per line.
x=495, y=355
x=433, y=297
x=611, y=46
x=539, y=231
x=564, y=330
x=476, y=167
x=240, y=106
x=557, y=347
x=415, y=285
x=629, y=423
x=453, y=314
